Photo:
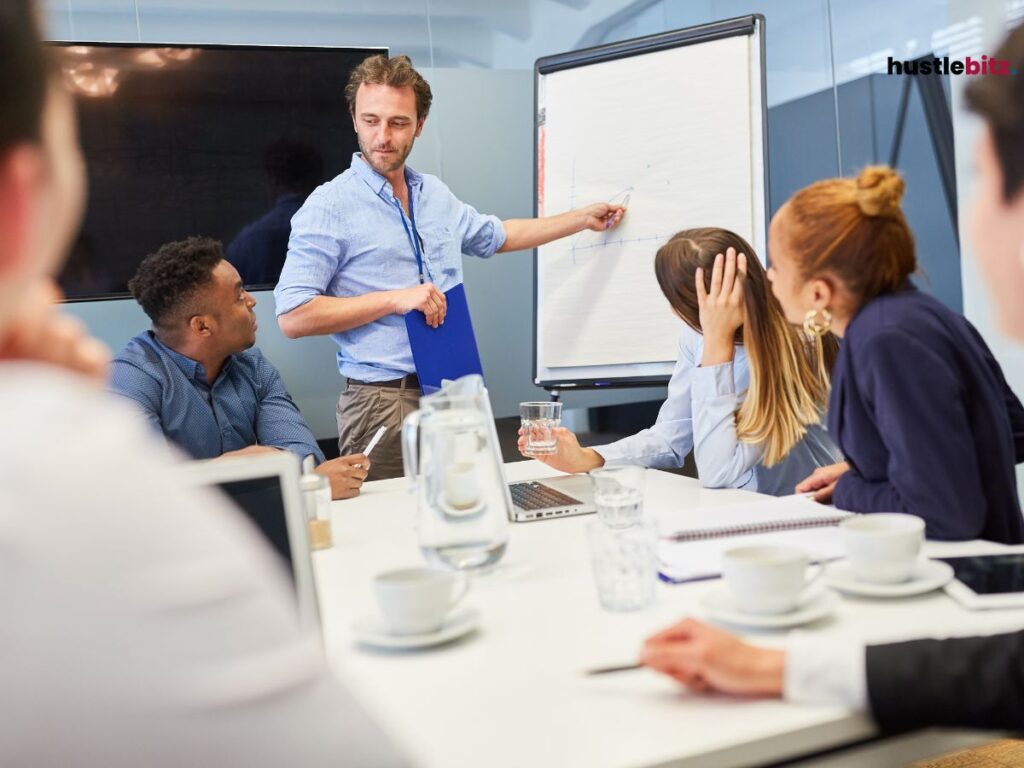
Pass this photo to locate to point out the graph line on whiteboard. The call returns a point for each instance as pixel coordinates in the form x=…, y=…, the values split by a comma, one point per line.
x=620, y=241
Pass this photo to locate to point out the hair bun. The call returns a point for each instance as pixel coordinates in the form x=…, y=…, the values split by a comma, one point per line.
x=879, y=191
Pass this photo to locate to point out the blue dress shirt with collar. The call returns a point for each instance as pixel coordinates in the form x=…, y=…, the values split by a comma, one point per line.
x=352, y=237
x=699, y=414
x=247, y=404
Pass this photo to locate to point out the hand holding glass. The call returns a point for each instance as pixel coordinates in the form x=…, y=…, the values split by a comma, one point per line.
x=539, y=421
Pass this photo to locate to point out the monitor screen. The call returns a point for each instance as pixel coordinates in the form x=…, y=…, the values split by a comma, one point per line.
x=261, y=501
x=219, y=141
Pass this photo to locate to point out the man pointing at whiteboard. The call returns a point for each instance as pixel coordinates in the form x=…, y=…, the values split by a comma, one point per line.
x=380, y=241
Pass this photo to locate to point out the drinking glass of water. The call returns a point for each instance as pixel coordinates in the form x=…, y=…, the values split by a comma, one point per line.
x=538, y=422
x=625, y=569
x=619, y=495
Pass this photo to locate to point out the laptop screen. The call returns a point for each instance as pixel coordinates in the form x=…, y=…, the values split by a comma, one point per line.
x=262, y=502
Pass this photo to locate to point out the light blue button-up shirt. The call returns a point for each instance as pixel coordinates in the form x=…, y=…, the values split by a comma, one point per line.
x=699, y=414
x=352, y=237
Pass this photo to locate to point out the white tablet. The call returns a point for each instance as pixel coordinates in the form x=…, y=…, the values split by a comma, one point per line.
x=266, y=489
x=988, y=581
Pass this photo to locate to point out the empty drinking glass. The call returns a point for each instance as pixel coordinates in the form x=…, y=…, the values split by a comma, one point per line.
x=624, y=565
x=619, y=495
x=538, y=421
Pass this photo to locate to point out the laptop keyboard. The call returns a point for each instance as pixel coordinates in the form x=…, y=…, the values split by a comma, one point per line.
x=531, y=496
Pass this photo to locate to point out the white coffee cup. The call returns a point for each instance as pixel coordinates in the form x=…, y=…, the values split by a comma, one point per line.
x=767, y=579
x=415, y=601
x=882, y=548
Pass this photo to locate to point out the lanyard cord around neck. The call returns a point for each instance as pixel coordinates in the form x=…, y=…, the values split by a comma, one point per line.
x=414, y=235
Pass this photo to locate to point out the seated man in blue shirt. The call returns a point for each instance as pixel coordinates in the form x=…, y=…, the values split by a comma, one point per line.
x=196, y=375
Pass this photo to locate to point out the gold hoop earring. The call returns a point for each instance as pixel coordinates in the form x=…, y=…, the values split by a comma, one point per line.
x=817, y=322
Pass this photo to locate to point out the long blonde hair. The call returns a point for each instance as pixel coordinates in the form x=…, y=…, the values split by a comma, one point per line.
x=789, y=373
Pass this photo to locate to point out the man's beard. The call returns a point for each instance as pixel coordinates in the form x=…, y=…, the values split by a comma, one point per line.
x=394, y=165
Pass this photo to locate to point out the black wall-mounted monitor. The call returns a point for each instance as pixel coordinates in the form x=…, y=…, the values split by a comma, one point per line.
x=214, y=140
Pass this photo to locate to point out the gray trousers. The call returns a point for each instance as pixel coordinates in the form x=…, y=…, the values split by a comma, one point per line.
x=362, y=409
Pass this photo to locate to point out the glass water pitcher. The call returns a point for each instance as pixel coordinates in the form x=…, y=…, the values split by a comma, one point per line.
x=451, y=456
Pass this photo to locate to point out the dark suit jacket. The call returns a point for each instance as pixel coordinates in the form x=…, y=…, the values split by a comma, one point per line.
x=921, y=410
x=974, y=682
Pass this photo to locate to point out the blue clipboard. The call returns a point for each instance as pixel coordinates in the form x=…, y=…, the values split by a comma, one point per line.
x=448, y=351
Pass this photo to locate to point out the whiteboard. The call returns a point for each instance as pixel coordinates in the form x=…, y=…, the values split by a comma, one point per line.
x=676, y=124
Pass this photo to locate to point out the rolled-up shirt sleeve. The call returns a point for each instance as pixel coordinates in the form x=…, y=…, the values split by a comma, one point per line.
x=482, y=234
x=315, y=248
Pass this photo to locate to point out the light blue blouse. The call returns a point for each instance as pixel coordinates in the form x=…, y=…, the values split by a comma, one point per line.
x=698, y=414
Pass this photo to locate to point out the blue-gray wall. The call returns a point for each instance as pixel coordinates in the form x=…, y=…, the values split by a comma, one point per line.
x=478, y=56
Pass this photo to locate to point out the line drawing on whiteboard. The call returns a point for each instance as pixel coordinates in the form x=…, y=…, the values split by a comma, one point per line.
x=620, y=241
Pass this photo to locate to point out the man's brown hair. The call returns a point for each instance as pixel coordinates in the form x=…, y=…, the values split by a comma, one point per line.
x=1000, y=100
x=396, y=72
x=23, y=74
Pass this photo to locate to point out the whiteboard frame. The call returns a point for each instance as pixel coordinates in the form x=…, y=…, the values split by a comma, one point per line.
x=658, y=373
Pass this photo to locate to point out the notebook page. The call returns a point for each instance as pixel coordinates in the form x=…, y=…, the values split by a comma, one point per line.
x=691, y=543
x=772, y=513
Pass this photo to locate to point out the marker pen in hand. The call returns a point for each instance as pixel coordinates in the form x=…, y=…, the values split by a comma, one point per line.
x=615, y=217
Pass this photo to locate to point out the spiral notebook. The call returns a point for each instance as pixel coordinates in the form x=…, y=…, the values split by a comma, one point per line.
x=691, y=544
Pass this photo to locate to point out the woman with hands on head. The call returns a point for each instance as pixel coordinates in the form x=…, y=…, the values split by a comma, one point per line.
x=748, y=390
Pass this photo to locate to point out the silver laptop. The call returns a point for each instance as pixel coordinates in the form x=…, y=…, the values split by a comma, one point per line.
x=266, y=489
x=551, y=497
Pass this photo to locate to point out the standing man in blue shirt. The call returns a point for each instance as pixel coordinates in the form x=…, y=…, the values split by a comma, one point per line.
x=380, y=241
x=197, y=377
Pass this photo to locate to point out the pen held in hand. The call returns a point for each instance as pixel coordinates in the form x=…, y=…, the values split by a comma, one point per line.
x=375, y=439
x=614, y=218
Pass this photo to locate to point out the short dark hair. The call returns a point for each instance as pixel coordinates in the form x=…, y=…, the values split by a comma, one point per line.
x=24, y=71
x=999, y=99
x=168, y=279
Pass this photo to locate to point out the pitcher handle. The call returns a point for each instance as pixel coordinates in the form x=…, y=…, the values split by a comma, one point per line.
x=410, y=447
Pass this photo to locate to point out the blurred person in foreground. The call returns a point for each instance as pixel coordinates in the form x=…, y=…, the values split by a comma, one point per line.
x=143, y=624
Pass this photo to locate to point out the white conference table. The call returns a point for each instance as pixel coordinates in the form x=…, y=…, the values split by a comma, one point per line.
x=513, y=693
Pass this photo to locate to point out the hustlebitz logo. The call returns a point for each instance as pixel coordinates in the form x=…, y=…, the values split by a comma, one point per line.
x=986, y=65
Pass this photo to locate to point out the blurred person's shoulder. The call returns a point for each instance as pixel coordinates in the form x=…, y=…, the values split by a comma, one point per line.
x=80, y=458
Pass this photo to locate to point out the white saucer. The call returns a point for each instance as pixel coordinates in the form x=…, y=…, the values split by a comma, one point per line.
x=928, y=575
x=372, y=630
x=720, y=605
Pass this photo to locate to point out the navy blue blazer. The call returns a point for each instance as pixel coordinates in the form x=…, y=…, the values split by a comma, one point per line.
x=922, y=412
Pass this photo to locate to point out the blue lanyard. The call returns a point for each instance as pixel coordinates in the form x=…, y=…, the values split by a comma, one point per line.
x=414, y=236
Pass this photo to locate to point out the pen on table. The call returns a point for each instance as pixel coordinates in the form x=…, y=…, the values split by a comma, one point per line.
x=609, y=670
x=375, y=439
